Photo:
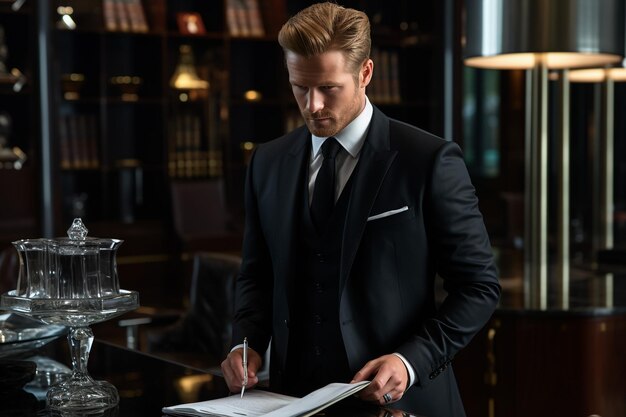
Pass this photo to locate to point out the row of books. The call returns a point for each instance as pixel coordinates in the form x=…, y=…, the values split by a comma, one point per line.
x=243, y=18
x=188, y=156
x=385, y=85
x=78, y=136
x=124, y=16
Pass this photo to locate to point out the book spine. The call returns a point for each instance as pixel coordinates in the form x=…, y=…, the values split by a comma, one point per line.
x=108, y=10
x=254, y=18
x=241, y=14
x=136, y=16
x=122, y=16
x=231, y=18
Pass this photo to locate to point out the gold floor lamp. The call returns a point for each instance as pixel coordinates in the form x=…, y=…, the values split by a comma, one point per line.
x=538, y=35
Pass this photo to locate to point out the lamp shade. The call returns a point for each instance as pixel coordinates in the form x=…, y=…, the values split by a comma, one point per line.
x=508, y=34
x=185, y=76
x=597, y=75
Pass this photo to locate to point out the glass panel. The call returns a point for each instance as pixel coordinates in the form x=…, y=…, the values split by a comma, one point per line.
x=481, y=121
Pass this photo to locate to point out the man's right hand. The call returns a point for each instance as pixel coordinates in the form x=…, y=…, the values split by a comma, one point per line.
x=232, y=368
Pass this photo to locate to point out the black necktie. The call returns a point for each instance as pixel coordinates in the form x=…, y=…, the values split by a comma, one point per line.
x=324, y=191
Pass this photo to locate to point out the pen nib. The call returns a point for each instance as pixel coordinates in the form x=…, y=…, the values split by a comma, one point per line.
x=242, y=390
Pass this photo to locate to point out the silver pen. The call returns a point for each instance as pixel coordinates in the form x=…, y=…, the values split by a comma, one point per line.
x=245, y=366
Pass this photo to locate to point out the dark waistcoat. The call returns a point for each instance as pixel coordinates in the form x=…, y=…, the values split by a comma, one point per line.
x=317, y=354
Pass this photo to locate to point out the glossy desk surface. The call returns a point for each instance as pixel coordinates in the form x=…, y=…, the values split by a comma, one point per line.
x=145, y=384
x=589, y=291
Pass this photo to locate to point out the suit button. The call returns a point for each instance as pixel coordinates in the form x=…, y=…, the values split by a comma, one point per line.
x=317, y=350
x=317, y=319
x=320, y=257
x=286, y=323
x=319, y=288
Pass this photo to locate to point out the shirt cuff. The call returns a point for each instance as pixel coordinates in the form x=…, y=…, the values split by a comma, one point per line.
x=239, y=346
x=409, y=369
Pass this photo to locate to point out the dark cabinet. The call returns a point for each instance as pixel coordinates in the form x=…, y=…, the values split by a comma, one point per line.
x=546, y=363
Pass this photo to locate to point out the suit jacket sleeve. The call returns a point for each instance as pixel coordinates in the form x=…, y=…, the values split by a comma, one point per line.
x=254, y=286
x=462, y=254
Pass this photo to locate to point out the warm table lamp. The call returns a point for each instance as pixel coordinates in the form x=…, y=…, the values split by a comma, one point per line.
x=538, y=35
x=185, y=76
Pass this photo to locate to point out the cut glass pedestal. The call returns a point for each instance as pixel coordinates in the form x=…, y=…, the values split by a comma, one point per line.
x=79, y=393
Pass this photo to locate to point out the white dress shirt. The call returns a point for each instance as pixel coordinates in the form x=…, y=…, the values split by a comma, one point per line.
x=351, y=139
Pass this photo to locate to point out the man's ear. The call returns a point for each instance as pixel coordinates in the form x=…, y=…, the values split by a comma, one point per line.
x=365, y=75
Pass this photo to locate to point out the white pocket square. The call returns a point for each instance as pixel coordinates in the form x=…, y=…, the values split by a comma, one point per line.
x=387, y=213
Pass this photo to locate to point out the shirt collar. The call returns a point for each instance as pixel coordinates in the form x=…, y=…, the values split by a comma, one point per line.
x=352, y=136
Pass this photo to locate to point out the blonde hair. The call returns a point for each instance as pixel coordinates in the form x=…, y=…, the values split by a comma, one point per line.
x=323, y=27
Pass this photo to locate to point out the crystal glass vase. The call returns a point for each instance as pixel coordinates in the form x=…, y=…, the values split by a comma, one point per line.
x=72, y=282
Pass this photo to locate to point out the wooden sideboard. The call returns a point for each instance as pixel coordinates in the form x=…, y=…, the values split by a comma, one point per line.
x=552, y=362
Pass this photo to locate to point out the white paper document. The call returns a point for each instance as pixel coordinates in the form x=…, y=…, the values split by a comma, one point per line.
x=256, y=403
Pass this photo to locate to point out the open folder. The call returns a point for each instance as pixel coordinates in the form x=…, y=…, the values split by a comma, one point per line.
x=264, y=403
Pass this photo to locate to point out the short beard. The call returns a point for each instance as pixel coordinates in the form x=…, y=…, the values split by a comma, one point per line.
x=309, y=119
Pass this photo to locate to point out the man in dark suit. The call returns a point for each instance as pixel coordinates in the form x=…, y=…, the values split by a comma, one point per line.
x=343, y=284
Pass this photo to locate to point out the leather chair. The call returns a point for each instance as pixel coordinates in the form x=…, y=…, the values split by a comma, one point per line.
x=201, y=337
x=206, y=326
x=202, y=220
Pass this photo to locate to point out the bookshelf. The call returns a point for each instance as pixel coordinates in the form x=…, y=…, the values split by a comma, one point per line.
x=122, y=123
x=19, y=211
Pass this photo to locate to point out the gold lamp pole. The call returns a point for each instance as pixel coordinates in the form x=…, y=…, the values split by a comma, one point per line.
x=538, y=35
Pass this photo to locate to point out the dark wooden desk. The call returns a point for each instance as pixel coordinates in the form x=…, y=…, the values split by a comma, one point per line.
x=146, y=384
x=557, y=361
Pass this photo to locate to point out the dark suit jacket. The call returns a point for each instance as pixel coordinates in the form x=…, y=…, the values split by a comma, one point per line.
x=388, y=265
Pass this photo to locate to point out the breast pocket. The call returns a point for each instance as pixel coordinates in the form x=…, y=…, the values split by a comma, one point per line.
x=391, y=217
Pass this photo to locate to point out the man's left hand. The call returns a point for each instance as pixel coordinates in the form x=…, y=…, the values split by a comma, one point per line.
x=389, y=377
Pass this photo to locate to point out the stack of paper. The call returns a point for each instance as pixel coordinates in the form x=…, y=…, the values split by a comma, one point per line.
x=256, y=403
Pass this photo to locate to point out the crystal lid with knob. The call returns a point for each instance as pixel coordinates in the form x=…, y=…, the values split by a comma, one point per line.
x=76, y=266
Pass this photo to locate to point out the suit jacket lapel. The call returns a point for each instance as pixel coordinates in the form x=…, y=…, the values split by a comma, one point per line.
x=374, y=162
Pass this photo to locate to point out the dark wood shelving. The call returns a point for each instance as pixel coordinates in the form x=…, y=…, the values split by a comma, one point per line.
x=208, y=35
x=217, y=51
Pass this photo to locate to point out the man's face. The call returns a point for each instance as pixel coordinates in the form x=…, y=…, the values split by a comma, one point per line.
x=327, y=93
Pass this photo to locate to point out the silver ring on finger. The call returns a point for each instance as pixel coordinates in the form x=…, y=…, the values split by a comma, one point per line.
x=387, y=397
